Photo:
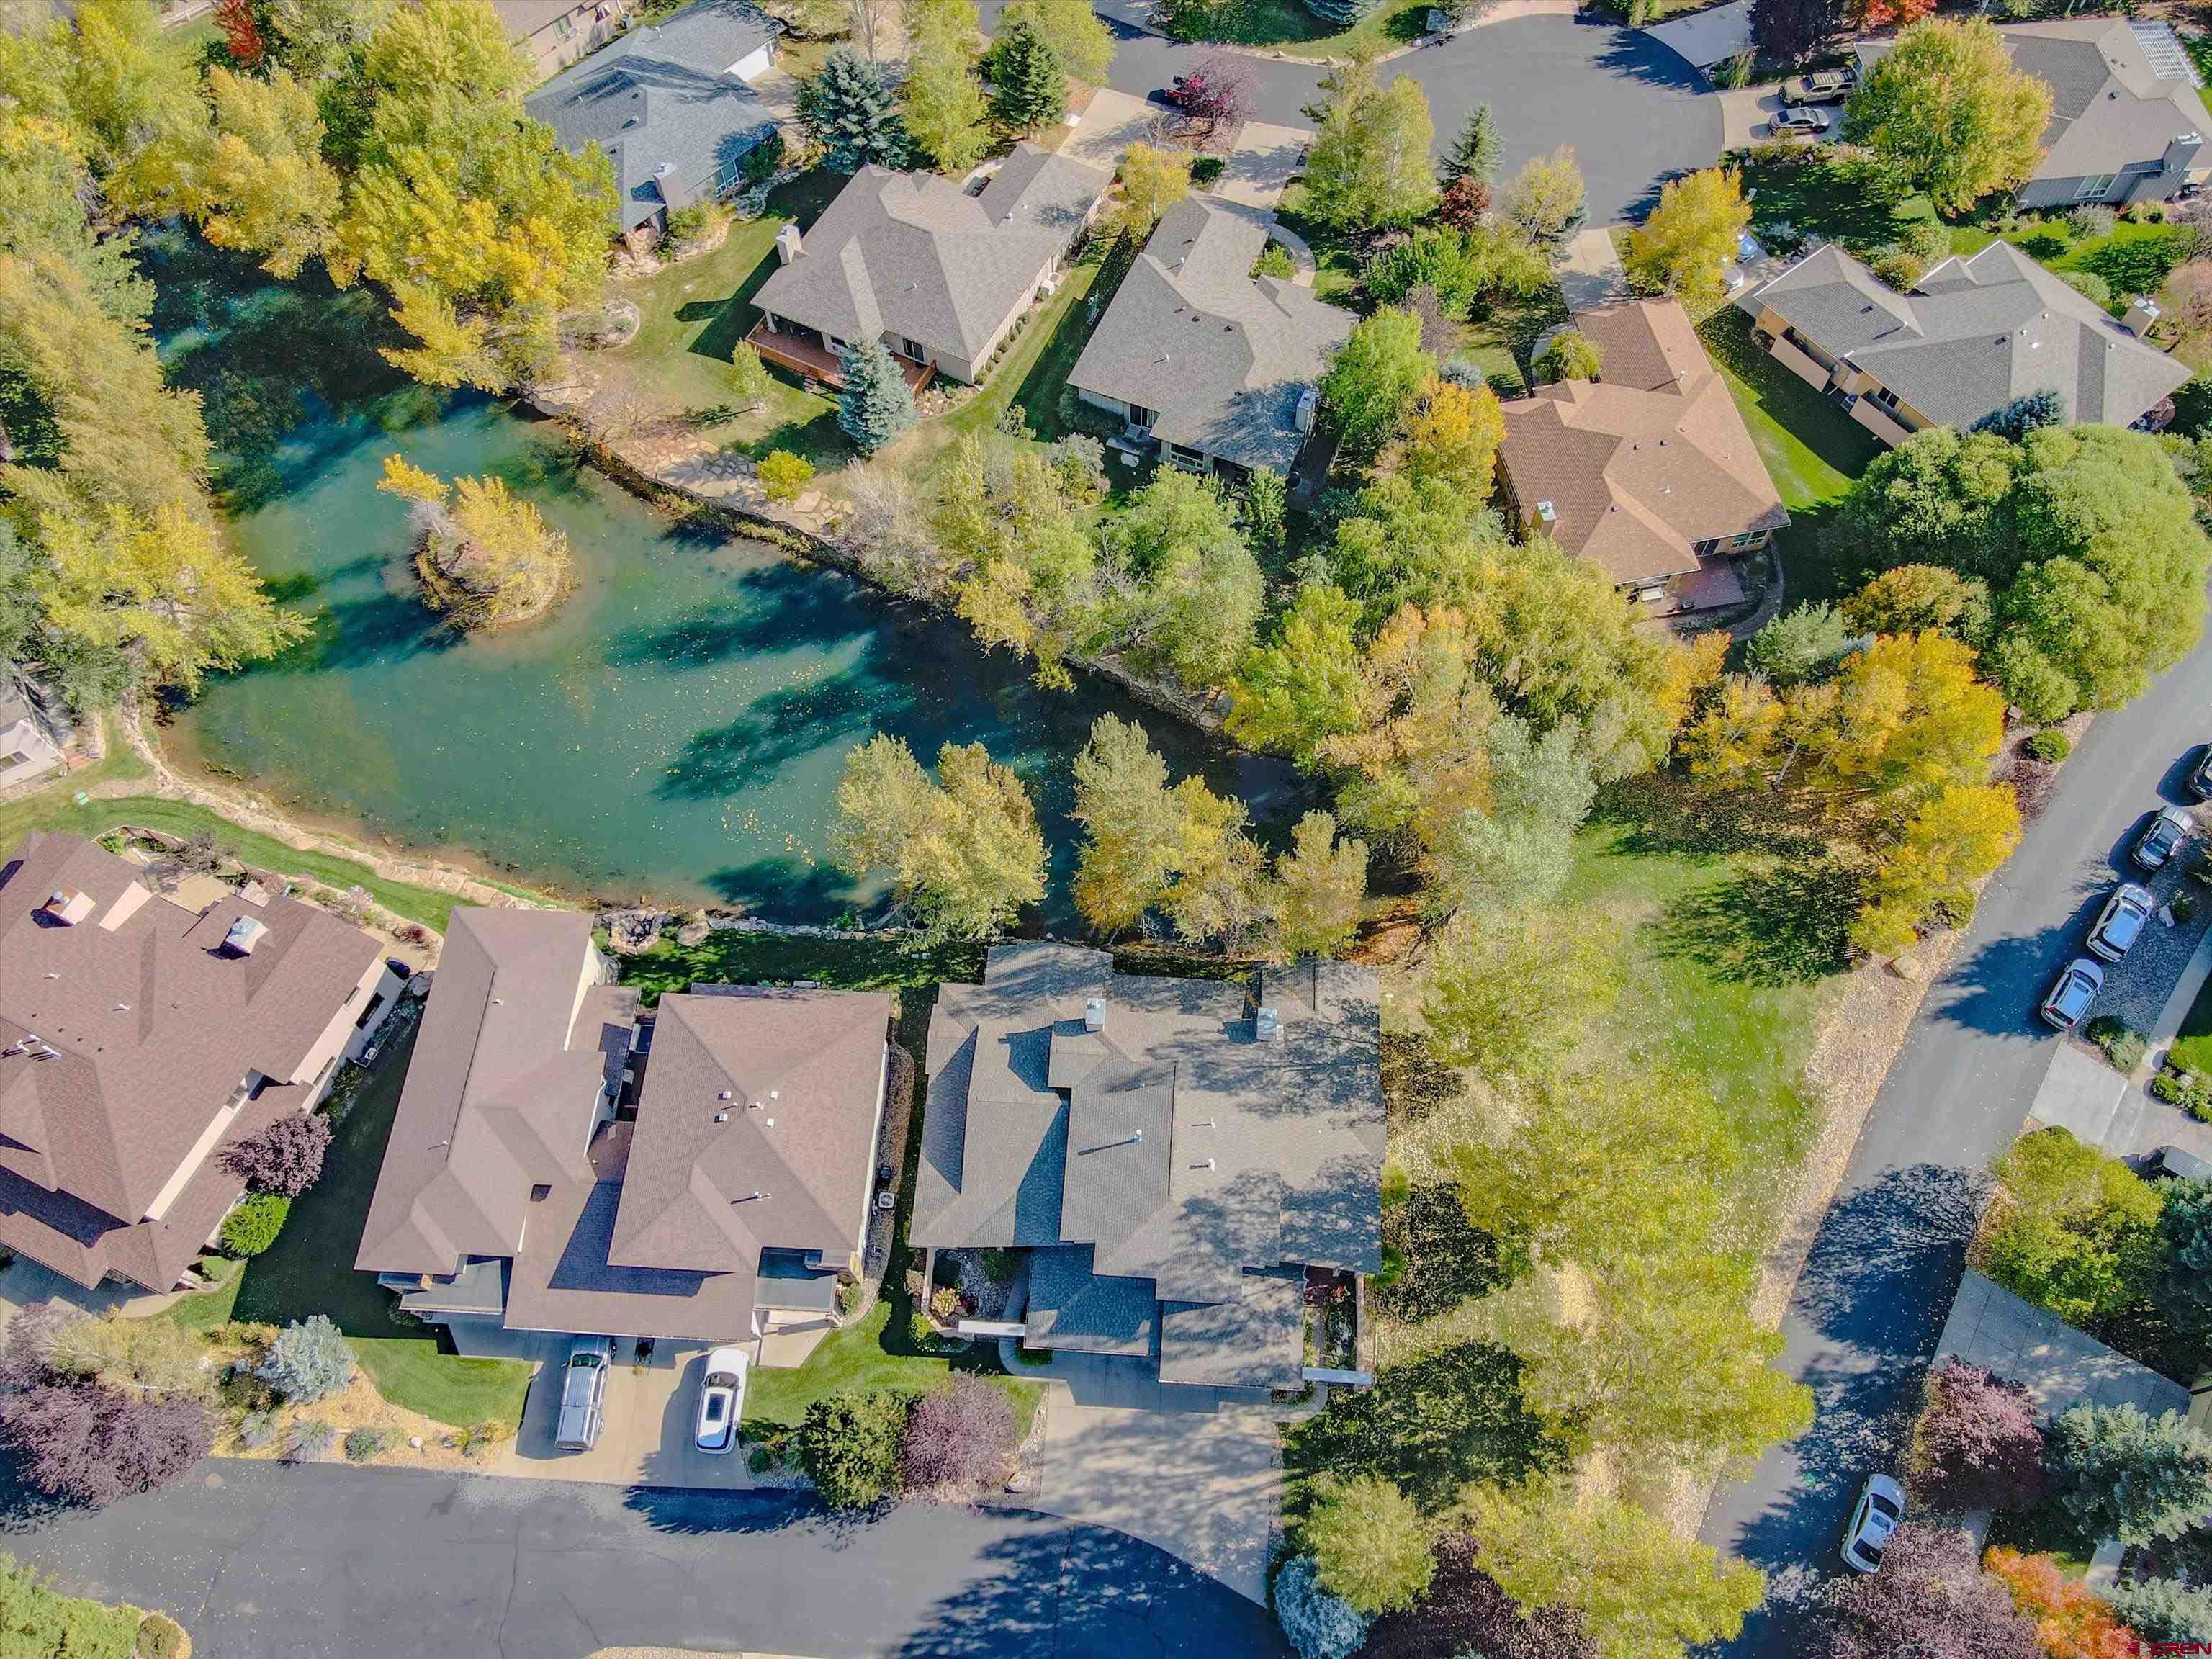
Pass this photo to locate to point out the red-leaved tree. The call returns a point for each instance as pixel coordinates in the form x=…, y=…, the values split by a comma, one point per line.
x=964, y=1436
x=1464, y=201
x=1931, y=1599
x=84, y=1442
x=1218, y=89
x=285, y=1157
x=241, y=33
x=1888, y=14
x=1980, y=1442
x=1463, y=1611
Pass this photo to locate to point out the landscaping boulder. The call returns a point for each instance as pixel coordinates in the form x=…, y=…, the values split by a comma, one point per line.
x=632, y=930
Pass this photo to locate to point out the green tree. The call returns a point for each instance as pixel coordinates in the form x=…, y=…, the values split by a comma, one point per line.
x=1402, y=543
x=1691, y=235
x=1199, y=590
x=1949, y=111
x=2121, y=1473
x=1474, y=154
x=113, y=78
x=1028, y=84
x=44, y=187
x=850, y=107
x=1518, y=853
x=1418, y=757
x=1571, y=355
x=38, y=1623
x=1302, y=688
x=2071, y=1230
x=1320, y=889
x=488, y=558
x=1376, y=375
x=1146, y=844
x=1546, y=199
x=1072, y=29
x=1912, y=598
x=944, y=102
x=751, y=384
x=2184, y=1224
x=1267, y=495
x=875, y=404
x=1940, y=498
x=312, y=38
x=1369, y=1544
x=963, y=851
x=1368, y=167
x=1800, y=645
x=783, y=475
x=849, y=1445
x=1641, y=1591
x=1507, y=996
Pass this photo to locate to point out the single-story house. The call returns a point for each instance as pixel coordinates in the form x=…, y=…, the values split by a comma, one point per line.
x=141, y=1038
x=2126, y=122
x=562, y=1161
x=1168, y=1161
x=673, y=107
x=554, y=33
x=1972, y=336
x=939, y=270
x=1648, y=471
x=27, y=749
x=1217, y=367
x=1706, y=39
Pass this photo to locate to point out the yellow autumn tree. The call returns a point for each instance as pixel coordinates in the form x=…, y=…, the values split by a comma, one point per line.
x=1954, y=840
x=1901, y=720
x=1690, y=235
x=961, y=851
x=486, y=559
x=1733, y=739
x=1452, y=436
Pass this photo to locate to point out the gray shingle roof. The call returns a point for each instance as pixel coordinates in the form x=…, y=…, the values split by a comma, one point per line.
x=1256, y=1341
x=152, y=1024
x=662, y=98
x=914, y=254
x=1070, y=1306
x=1974, y=336
x=1221, y=356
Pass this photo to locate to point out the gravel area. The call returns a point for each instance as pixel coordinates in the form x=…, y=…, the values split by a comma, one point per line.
x=2136, y=987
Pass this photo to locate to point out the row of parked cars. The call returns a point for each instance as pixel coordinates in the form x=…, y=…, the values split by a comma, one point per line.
x=2120, y=923
x=584, y=1396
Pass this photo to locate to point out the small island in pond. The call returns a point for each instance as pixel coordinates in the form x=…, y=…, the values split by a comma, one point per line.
x=486, y=559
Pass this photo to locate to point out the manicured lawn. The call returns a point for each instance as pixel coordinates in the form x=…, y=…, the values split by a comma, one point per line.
x=1336, y=267
x=310, y=1270
x=2192, y=1045
x=1287, y=25
x=693, y=312
x=730, y=957
x=875, y=1353
x=2134, y=259
x=1847, y=200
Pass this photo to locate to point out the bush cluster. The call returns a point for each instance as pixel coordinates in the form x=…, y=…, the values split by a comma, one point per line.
x=849, y=1445
x=2051, y=745
x=253, y=1227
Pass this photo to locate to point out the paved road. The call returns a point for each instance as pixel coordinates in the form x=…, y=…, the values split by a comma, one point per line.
x=1886, y=1262
x=259, y=1560
x=1632, y=111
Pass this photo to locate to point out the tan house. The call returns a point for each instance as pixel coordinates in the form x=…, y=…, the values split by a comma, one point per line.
x=1648, y=472
x=939, y=270
x=27, y=747
x=1975, y=335
x=554, y=34
x=563, y=1161
x=141, y=1037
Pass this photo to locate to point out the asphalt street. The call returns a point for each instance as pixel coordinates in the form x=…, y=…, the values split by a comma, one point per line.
x=1886, y=1262
x=263, y=1559
x=1632, y=111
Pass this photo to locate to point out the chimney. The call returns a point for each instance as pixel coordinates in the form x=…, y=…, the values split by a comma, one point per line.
x=240, y=941
x=787, y=244
x=2181, y=153
x=69, y=906
x=1094, y=1014
x=1546, y=514
x=1269, y=1026
x=2141, y=314
x=1309, y=405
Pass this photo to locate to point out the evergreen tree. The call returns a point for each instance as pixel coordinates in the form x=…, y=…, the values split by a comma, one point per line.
x=1474, y=154
x=749, y=383
x=2121, y=1473
x=876, y=404
x=1028, y=83
x=851, y=109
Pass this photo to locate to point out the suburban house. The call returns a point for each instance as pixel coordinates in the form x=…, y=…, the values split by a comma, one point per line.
x=1172, y=1164
x=140, y=1038
x=2126, y=122
x=553, y=33
x=560, y=1161
x=1648, y=471
x=27, y=747
x=939, y=270
x=673, y=106
x=1974, y=335
x=1213, y=366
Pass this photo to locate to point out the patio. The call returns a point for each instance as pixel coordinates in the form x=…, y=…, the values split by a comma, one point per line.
x=806, y=357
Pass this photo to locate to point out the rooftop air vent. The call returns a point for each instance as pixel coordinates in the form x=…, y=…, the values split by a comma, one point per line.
x=244, y=933
x=1269, y=1026
x=1094, y=1014
x=1547, y=514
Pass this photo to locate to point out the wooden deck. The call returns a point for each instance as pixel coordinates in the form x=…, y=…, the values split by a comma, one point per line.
x=806, y=357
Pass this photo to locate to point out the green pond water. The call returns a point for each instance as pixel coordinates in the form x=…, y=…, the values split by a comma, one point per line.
x=674, y=732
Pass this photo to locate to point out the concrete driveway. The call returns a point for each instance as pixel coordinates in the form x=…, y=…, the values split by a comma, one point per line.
x=651, y=1411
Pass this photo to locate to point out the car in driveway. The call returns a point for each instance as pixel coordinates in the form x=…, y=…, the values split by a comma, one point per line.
x=1879, y=1510
x=584, y=1392
x=2120, y=923
x=2199, y=780
x=2164, y=836
x=721, y=1400
x=1807, y=118
x=2070, y=997
x=2172, y=1164
x=1827, y=86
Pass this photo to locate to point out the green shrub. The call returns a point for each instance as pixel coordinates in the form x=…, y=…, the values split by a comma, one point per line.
x=160, y=1636
x=2043, y=245
x=2091, y=219
x=362, y=1444
x=1901, y=267
x=1735, y=72
x=310, y=1439
x=760, y=1459
x=39, y=1623
x=256, y=1430
x=309, y=1360
x=849, y=1445
x=253, y=1227
x=1928, y=240
x=763, y=159
x=2072, y=1230
x=1370, y=1544
x=2050, y=745
x=2123, y=1046
x=1275, y=261
x=2184, y=905
x=1206, y=169
x=2090, y=285
x=784, y=475
x=686, y=223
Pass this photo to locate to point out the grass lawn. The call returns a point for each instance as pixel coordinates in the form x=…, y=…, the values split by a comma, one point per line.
x=1288, y=26
x=1336, y=268
x=310, y=1270
x=730, y=956
x=2192, y=1044
x=1847, y=200
x=694, y=311
x=875, y=1353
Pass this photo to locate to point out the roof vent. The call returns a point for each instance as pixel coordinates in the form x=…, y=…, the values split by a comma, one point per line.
x=664, y=169
x=721, y=1117
x=69, y=905
x=1094, y=1014
x=1269, y=1026
x=243, y=935
x=1547, y=514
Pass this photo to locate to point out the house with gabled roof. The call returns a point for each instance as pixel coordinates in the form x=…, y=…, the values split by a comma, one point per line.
x=1973, y=335
x=941, y=271
x=1172, y=1159
x=141, y=1037
x=562, y=1160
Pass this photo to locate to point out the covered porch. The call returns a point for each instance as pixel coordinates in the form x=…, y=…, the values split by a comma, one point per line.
x=806, y=355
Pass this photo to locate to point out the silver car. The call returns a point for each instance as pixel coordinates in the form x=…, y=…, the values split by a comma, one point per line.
x=1827, y=86
x=1881, y=1510
x=2120, y=923
x=584, y=1392
x=2164, y=836
x=1807, y=118
x=2070, y=997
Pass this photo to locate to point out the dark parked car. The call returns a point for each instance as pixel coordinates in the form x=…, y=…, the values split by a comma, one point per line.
x=2166, y=834
x=2199, y=780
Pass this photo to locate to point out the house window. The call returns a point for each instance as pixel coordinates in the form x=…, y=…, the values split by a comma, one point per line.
x=1885, y=396
x=1142, y=418
x=2096, y=188
x=914, y=349
x=540, y=1193
x=564, y=26
x=1749, y=538
x=369, y=1013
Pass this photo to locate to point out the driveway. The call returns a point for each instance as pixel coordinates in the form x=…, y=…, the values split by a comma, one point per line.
x=263, y=1559
x=1887, y=1259
x=1635, y=113
x=651, y=1412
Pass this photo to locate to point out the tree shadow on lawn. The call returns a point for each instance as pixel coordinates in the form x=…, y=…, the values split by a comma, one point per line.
x=1774, y=924
x=1665, y=814
x=1447, y=1258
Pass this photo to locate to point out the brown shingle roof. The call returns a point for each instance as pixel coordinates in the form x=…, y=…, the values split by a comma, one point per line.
x=1646, y=463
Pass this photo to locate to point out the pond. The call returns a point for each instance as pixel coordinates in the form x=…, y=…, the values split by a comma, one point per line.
x=675, y=732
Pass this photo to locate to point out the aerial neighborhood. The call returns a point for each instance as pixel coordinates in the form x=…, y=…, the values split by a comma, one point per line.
x=1324, y=827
